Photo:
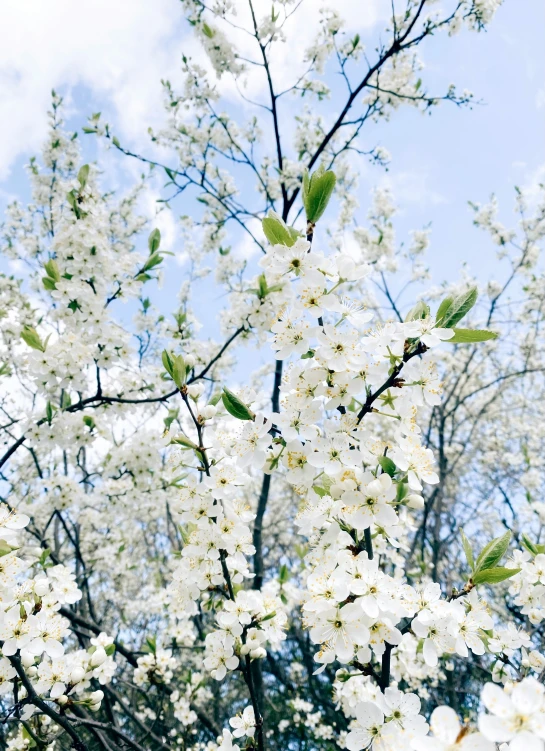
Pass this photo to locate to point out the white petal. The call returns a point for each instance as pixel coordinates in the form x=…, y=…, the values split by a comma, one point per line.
x=445, y=724
x=495, y=728
x=476, y=742
x=496, y=700
x=430, y=653
x=369, y=714
x=526, y=742
x=528, y=695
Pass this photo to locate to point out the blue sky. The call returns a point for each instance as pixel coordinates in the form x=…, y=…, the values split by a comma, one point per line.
x=111, y=54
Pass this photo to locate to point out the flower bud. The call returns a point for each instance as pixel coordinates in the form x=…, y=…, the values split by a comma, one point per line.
x=209, y=411
x=97, y=696
x=195, y=390
x=415, y=501
x=41, y=587
x=77, y=675
x=98, y=657
x=258, y=654
x=190, y=360
x=27, y=659
x=62, y=699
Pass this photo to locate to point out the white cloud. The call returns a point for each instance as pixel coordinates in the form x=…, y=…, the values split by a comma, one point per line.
x=119, y=50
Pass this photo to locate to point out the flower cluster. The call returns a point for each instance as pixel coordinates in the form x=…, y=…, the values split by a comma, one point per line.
x=33, y=633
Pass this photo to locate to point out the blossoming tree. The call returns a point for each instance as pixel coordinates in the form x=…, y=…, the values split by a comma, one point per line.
x=192, y=560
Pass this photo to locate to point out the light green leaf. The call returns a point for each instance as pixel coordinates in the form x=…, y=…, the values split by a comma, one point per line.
x=180, y=440
x=494, y=575
x=317, y=191
x=207, y=31
x=235, y=406
x=52, y=270
x=420, y=310
x=154, y=241
x=277, y=232
x=492, y=553
x=529, y=545
x=459, y=308
x=167, y=362
x=468, y=336
x=49, y=283
x=467, y=550
x=5, y=548
x=442, y=310
x=31, y=337
x=154, y=260
x=83, y=174
x=175, y=367
x=179, y=371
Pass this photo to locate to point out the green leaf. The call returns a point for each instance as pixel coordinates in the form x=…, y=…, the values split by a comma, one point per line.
x=420, y=310
x=154, y=241
x=207, y=31
x=175, y=367
x=49, y=283
x=467, y=550
x=442, y=310
x=494, y=575
x=283, y=574
x=154, y=260
x=529, y=545
x=31, y=337
x=401, y=491
x=277, y=232
x=72, y=199
x=151, y=643
x=235, y=406
x=167, y=362
x=181, y=440
x=492, y=553
x=467, y=336
x=5, y=548
x=109, y=649
x=459, y=308
x=317, y=191
x=387, y=465
x=52, y=270
x=179, y=371
x=49, y=412
x=83, y=174
x=89, y=421
x=214, y=399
